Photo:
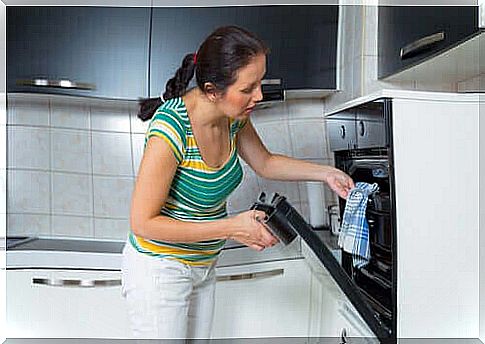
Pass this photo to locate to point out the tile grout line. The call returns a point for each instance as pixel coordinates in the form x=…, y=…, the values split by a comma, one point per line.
x=90, y=122
x=39, y=126
x=51, y=173
x=131, y=145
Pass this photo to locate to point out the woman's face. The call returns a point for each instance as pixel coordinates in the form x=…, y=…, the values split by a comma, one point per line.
x=241, y=97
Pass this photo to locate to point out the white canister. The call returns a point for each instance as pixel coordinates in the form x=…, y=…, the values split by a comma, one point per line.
x=334, y=215
x=316, y=204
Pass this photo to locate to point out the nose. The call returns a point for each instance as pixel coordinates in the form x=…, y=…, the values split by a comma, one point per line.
x=258, y=96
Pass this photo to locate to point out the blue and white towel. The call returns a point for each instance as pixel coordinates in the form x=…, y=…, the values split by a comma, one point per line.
x=354, y=230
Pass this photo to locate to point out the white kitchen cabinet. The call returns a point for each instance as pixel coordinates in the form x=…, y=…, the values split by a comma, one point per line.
x=331, y=312
x=269, y=299
x=436, y=155
x=65, y=304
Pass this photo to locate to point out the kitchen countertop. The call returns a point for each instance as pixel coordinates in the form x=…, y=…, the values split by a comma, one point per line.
x=79, y=245
x=62, y=253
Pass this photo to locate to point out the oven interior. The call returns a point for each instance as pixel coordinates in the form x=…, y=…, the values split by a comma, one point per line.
x=374, y=280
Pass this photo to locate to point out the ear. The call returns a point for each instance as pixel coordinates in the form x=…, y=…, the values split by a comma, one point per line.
x=211, y=92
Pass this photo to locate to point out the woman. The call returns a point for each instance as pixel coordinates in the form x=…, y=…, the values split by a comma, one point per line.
x=189, y=167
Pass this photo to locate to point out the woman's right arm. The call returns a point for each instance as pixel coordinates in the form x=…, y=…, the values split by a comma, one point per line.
x=155, y=175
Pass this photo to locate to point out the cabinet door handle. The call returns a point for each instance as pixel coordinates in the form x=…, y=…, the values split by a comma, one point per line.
x=67, y=84
x=250, y=275
x=76, y=282
x=415, y=47
x=362, y=128
x=342, y=131
x=271, y=82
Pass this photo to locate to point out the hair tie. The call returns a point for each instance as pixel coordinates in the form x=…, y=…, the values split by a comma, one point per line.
x=195, y=58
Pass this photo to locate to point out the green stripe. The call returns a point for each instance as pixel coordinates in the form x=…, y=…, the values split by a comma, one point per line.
x=193, y=247
x=197, y=195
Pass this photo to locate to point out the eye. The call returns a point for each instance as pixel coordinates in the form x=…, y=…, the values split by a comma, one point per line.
x=247, y=90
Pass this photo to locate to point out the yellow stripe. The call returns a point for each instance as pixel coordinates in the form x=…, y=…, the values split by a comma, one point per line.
x=191, y=143
x=169, y=250
x=195, y=165
x=174, y=132
x=191, y=263
x=160, y=135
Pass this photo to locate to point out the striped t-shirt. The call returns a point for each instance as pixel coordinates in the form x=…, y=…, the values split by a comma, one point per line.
x=198, y=191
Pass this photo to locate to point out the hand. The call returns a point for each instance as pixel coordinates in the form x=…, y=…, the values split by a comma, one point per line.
x=339, y=182
x=249, y=229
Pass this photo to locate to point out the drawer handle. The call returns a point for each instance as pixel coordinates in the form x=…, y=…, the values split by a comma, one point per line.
x=361, y=128
x=412, y=48
x=76, y=282
x=271, y=82
x=251, y=275
x=67, y=84
x=343, y=336
x=342, y=131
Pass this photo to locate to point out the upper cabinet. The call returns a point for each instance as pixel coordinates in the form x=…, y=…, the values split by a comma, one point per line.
x=85, y=51
x=410, y=34
x=302, y=41
x=110, y=52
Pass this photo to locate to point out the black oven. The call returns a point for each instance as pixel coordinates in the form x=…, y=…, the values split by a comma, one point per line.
x=361, y=143
x=375, y=280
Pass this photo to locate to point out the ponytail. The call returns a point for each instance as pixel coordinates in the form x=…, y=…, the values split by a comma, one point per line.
x=175, y=87
x=148, y=106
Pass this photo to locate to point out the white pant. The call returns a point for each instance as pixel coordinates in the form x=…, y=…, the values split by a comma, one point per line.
x=166, y=298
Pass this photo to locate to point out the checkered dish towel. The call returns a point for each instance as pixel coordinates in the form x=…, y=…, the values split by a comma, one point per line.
x=354, y=230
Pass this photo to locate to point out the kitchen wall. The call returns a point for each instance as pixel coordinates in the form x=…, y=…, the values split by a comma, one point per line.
x=70, y=166
x=72, y=162
x=293, y=128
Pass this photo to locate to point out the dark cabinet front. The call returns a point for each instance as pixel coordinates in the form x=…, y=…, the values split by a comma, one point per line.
x=410, y=34
x=86, y=51
x=302, y=41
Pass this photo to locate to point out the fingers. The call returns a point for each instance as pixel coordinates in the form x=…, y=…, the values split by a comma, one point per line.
x=259, y=215
x=267, y=238
x=272, y=240
x=256, y=247
x=258, y=236
x=342, y=184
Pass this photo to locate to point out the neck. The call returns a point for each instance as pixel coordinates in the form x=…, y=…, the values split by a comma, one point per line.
x=201, y=109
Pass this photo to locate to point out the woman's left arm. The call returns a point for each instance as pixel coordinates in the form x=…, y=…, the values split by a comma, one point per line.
x=280, y=167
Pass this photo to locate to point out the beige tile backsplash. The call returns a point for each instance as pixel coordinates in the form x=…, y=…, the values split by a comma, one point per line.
x=72, y=162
